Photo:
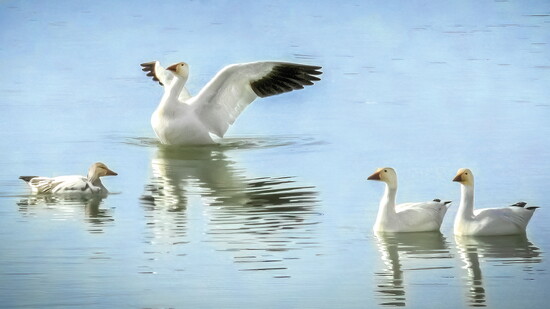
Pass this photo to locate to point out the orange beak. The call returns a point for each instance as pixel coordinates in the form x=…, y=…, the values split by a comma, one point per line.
x=110, y=173
x=173, y=67
x=458, y=178
x=375, y=176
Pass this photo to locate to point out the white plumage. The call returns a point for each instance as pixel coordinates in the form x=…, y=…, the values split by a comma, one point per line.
x=72, y=184
x=489, y=221
x=406, y=217
x=183, y=120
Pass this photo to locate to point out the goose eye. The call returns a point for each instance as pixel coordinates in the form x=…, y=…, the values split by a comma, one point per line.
x=385, y=171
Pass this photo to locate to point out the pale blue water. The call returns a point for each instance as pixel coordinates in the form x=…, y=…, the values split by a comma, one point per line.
x=280, y=214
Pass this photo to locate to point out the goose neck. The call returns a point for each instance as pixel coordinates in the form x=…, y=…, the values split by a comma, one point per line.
x=466, y=207
x=176, y=86
x=387, y=205
x=93, y=178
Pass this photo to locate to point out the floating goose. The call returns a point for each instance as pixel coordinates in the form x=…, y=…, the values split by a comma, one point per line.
x=489, y=221
x=181, y=119
x=74, y=184
x=407, y=217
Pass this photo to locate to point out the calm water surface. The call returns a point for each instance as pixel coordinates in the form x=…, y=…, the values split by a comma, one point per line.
x=278, y=215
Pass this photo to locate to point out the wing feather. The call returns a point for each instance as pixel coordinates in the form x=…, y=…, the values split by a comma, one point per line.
x=157, y=72
x=162, y=76
x=224, y=98
x=57, y=184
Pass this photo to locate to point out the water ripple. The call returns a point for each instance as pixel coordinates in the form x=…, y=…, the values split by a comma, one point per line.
x=420, y=250
x=60, y=208
x=259, y=221
x=495, y=250
x=230, y=143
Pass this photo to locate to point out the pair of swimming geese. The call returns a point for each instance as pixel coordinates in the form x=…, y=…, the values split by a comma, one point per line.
x=182, y=119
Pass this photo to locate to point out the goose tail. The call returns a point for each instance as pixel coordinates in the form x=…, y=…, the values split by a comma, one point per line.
x=445, y=203
x=27, y=178
x=523, y=204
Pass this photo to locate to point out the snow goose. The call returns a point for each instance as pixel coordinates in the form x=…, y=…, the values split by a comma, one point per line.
x=73, y=184
x=489, y=221
x=181, y=119
x=407, y=217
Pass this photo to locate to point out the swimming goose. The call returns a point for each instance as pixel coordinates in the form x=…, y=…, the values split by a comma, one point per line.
x=407, y=217
x=489, y=221
x=181, y=119
x=73, y=184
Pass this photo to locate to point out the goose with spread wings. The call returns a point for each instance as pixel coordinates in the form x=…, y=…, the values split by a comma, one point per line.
x=182, y=119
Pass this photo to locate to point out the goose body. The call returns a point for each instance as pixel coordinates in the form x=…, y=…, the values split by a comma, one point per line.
x=407, y=217
x=488, y=221
x=72, y=184
x=182, y=119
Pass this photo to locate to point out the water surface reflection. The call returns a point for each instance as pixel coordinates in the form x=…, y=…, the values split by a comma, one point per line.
x=404, y=253
x=67, y=208
x=260, y=221
x=510, y=250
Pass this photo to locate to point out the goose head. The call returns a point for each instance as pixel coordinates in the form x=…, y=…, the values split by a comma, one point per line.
x=99, y=169
x=465, y=177
x=385, y=174
x=181, y=69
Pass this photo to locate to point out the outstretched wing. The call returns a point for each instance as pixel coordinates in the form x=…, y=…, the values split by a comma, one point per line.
x=223, y=99
x=157, y=72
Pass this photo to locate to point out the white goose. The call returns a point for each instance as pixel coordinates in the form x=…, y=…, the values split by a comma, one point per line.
x=489, y=221
x=407, y=217
x=181, y=119
x=73, y=184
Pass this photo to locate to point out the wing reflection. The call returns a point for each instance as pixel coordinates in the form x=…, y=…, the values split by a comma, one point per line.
x=428, y=247
x=258, y=220
x=500, y=250
x=67, y=207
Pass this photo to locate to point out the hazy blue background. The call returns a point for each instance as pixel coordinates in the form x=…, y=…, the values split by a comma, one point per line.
x=280, y=214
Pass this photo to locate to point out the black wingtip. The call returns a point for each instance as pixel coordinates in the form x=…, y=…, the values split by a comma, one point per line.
x=439, y=201
x=519, y=204
x=149, y=67
x=286, y=77
x=27, y=178
x=148, y=64
x=522, y=204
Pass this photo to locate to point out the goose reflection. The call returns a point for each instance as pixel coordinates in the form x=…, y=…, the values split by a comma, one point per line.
x=413, y=249
x=258, y=220
x=497, y=250
x=68, y=207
